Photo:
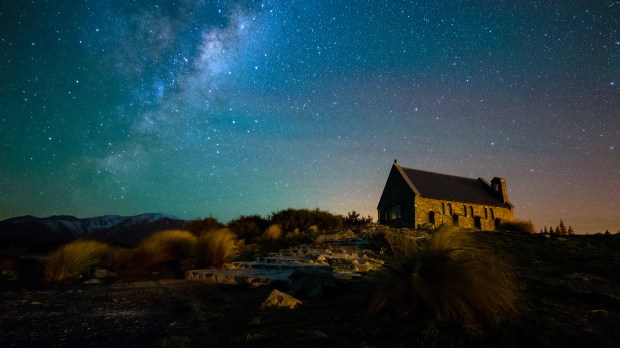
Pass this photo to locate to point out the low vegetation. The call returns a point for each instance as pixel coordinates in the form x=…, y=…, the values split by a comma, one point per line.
x=75, y=259
x=272, y=234
x=449, y=279
x=441, y=288
x=215, y=247
x=164, y=247
x=174, y=342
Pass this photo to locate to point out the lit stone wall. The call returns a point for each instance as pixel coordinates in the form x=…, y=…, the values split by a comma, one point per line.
x=458, y=213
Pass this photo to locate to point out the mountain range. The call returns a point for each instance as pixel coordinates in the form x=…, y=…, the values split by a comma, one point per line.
x=33, y=232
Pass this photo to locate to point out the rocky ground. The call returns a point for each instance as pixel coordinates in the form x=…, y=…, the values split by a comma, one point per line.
x=570, y=297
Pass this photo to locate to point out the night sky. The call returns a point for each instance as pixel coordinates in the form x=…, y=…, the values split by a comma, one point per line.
x=224, y=108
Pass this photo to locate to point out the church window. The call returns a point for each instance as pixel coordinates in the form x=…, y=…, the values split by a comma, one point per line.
x=395, y=212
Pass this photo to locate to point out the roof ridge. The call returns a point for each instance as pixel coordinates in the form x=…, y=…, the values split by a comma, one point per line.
x=435, y=173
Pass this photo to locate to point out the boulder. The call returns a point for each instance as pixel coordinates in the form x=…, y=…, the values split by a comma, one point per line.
x=278, y=299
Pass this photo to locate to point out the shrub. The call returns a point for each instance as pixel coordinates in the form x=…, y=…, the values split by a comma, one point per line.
x=217, y=246
x=518, y=226
x=296, y=238
x=200, y=226
x=272, y=234
x=163, y=247
x=248, y=227
x=302, y=219
x=353, y=219
x=403, y=241
x=448, y=279
x=75, y=259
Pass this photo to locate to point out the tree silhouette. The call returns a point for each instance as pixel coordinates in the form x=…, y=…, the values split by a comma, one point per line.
x=562, y=227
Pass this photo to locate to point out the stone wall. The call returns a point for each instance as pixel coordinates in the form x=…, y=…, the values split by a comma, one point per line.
x=464, y=215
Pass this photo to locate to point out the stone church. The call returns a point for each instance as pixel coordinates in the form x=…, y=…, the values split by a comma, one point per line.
x=415, y=198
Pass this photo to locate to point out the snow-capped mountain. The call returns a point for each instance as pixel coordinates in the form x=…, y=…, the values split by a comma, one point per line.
x=55, y=230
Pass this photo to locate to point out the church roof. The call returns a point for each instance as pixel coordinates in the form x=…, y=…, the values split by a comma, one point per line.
x=450, y=187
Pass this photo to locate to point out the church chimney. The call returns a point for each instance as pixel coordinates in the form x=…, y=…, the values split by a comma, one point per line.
x=499, y=189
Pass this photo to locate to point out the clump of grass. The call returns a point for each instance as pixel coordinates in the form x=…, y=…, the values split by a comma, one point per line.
x=272, y=234
x=402, y=242
x=163, y=247
x=74, y=259
x=174, y=342
x=518, y=226
x=217, y=246
x=449, y=280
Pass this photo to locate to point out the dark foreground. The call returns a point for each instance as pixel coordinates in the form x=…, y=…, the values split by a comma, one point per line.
x=570, y=297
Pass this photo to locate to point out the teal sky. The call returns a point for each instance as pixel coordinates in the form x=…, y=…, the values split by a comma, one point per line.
x=223, y=108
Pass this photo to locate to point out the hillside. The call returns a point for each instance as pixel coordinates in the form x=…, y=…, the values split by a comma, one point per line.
x=51, y=232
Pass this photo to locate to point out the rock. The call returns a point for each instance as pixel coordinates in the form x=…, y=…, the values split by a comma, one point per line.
x=278, y=299
x=93, y=281
x=319, y=333
x=341, y=265
x=312, y=283
x=104, y=273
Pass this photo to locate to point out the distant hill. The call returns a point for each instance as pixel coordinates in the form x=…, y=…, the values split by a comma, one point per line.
x=45, y=233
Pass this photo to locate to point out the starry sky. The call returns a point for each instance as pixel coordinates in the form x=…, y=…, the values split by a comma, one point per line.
x=224, y=108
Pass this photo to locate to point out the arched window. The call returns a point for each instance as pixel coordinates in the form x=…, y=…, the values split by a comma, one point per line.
x=492, y=214
x=443, y=208
x=464, y=210
x=449, y=209
x=486, y=213
x=471, y=210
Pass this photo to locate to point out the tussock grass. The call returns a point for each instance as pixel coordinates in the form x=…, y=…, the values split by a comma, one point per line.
x=217, y=246
x=272, y=234
x=74, y=259
x=402, y=242
x=449, y=280
x=163, y=247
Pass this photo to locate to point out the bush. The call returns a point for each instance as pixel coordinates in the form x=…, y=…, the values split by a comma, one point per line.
x=448, y=279
x=353, y=219
x=75, y=259
x=303, y=219
x=402, y=242
x=249, y=228
x=272, y=234
x=200, y=226
x=518, y=226
x=217, y=246
x=163, y=247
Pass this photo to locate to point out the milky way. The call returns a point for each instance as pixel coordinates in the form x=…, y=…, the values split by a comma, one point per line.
x=223, y=108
